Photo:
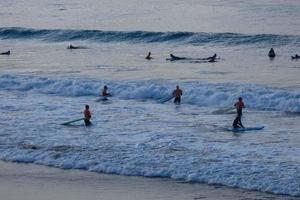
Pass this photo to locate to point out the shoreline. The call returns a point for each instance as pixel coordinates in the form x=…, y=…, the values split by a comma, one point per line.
x=30, y=182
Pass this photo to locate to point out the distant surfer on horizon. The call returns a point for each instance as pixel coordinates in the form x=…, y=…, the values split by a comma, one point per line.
x=104, y=92
x=211, y=58
x=5, y=53
x=296, y=56
x=149, y=57
x=87, y=115
x=176, y=57
x=72, y=47
x=239, y=105
x=76, y=47
x=271, y=53
x=177, y=93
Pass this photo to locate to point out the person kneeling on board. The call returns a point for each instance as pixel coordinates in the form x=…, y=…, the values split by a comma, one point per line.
x=87, y=115
x=239, y=105
x=177, y=93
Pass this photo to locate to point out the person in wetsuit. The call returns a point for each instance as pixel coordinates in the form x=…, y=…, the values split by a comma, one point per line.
x=148, y=57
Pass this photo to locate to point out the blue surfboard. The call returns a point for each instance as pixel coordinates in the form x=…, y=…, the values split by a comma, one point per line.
x=245, y=129
x=165, y=99
x=72, y=121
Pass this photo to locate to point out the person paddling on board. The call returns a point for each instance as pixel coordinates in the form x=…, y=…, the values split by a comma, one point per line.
x=104, y=92
x=87, y=115
x=239, y=105
x=5, y=53
x=177, y=93
x=148, y=57
x=296, y=56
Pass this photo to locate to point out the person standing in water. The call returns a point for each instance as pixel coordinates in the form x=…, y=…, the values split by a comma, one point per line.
x=87, y=115
x=239, y=105
x=177, y=93
x=104, y=92
x=148, y=57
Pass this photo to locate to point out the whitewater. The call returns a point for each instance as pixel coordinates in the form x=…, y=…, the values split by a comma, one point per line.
x=43, y=84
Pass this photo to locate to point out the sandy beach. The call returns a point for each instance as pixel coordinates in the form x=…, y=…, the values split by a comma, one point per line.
x=34, y=182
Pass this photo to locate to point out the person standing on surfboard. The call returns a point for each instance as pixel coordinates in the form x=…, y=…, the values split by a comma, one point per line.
x=177, y=93
x=239, y=105
x=87, y=115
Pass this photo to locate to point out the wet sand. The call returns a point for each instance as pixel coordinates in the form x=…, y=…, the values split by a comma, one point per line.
x=34, y=182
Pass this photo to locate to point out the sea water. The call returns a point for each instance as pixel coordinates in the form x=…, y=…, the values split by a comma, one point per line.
x=43, y=84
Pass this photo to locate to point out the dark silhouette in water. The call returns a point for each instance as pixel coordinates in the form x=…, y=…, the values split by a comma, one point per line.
x=296, y=56
x=197, y=60
x=75, y=47
x=271, y=53
x=5, y=53
x=148, y=57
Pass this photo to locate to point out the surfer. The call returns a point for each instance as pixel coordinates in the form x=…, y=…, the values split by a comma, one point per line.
x=177, y=93
x=5, y=53
x=105, y=91
x=87, y=115
x=148, y=57
x=76, y=47
x=296, y=56
x=176, y=57
x=271, y=53
x=237, y=123
x=211, y=57
x=239, y=105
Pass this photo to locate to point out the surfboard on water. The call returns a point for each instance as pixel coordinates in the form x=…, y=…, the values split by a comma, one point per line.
x=256, y=128
x=101, y=99
x=72, y=121
x=165, y=99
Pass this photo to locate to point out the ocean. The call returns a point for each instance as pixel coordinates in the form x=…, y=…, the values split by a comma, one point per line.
x=43, y=84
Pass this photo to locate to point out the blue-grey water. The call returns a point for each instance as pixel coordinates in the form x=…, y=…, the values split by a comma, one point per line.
x=42, y=84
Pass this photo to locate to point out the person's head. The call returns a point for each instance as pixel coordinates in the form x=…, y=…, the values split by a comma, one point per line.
x=149, y=53
x=105, y=87
x=171, y=55
x=177, y=87
x=87, y=107
x=240, y=99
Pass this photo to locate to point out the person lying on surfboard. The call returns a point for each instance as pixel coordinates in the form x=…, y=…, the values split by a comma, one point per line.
x=87, y=115
x=296, y=56
x=177, y=93
x=239, y=105
x=5, y=53
x=105, y=92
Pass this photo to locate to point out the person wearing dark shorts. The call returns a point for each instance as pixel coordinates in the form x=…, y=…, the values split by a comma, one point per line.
x=87, y=115
x=177, y=93
x=239, y=105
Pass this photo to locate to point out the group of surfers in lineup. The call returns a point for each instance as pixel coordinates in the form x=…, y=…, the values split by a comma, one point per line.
x=176, y=94
x=213, y=58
